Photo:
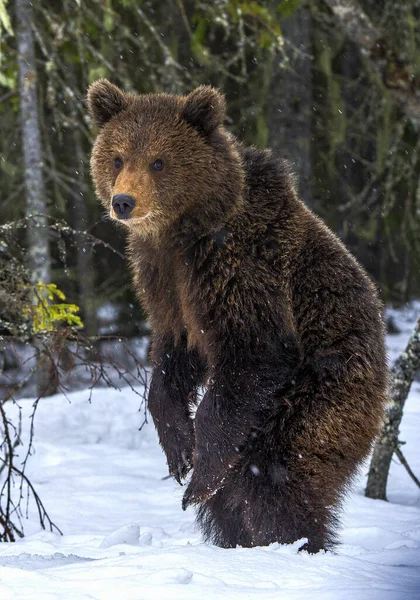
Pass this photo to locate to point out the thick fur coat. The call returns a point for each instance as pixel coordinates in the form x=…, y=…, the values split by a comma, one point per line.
x=250, y=295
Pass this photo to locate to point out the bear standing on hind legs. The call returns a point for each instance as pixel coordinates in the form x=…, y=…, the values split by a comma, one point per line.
x=251, y=295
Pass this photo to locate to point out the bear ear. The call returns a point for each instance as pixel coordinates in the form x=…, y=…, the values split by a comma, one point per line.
x=205, y=109
x=105, y=100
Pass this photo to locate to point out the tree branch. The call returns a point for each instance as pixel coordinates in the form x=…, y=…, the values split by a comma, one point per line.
x=402, y=376
x=394, y=74
x=405, y=464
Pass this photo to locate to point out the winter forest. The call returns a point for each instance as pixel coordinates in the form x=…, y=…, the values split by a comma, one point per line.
x=87, y=508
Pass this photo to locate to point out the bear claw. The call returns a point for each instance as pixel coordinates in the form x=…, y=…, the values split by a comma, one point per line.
x=183, y=466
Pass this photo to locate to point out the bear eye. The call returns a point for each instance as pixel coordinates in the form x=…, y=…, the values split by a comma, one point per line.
x=118, y=162
x=157, y=165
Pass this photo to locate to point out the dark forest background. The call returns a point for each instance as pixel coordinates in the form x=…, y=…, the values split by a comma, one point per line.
x=333, y=90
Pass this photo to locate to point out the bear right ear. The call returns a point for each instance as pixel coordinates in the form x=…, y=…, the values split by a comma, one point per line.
x=205, y=109
x=105, y=100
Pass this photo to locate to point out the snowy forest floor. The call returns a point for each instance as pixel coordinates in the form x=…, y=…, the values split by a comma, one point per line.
x=126, y=537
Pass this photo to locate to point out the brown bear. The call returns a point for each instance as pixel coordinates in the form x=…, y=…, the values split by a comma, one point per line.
x=251, y=296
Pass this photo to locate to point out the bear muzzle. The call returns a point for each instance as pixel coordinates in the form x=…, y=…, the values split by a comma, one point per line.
x=123, y=205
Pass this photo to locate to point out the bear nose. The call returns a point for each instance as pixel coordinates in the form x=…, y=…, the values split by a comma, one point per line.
x=123, y=204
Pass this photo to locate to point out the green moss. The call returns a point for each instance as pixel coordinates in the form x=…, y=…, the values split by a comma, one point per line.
x=335, y=107
x=262, y=130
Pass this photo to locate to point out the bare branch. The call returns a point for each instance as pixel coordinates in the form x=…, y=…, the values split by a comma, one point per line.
x=405, y=464
x=57, y=353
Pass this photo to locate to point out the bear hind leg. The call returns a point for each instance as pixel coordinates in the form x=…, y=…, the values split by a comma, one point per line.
x=258, y=507
x=284, y=507
x=221, y=523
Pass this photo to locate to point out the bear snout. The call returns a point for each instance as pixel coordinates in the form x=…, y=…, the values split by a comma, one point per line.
x=123, y=204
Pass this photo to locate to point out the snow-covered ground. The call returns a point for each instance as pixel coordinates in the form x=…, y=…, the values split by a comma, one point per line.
x=126, y=537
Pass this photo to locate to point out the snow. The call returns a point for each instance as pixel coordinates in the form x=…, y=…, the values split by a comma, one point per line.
x=126, y=537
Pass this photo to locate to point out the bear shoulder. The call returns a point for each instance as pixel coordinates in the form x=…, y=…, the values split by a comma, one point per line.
x=267, y=175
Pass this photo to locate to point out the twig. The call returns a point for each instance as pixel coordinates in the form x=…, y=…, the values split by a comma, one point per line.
x=405, y=464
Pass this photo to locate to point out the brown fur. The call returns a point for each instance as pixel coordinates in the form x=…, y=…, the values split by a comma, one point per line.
x=250, y=294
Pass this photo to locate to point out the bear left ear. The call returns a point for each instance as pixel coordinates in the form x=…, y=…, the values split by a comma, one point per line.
x=105, y=100
x=205, y=109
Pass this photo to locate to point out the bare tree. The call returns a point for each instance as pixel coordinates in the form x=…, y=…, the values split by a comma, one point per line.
x=38, y=251
x=38, y=256
x=402, y=376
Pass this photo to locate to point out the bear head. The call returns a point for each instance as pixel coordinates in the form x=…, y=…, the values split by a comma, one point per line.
x=158, y=157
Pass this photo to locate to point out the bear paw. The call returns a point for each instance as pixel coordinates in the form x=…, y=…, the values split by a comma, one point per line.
x=179, y=463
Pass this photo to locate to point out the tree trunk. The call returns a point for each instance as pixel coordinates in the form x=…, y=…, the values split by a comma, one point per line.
x=402, y=376
x=290, y=109
x=38, y=251
x=36, y=209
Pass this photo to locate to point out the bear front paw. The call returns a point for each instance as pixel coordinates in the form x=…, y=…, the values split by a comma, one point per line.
x=179, y=454
x=180, y=464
